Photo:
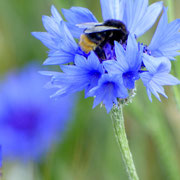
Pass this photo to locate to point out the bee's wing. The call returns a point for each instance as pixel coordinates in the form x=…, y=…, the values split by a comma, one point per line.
x=99, y=28
x=88, y=25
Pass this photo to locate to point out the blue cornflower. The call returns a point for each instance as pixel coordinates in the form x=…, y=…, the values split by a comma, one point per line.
x=111, y=78
x=29, y=121
x=109, y=88
x=83, y=75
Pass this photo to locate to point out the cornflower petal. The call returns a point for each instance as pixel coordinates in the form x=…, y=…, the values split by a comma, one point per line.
x=120, y=56
x=77, y=15
x=166, y=40
x=133, y=54
x=45, y=38
x=68, y=82
x=55, y=14
x=139, y=17
x=112, y=9
x=113, y=67
x=153, y=64
x=51, y=23
x=151, y=86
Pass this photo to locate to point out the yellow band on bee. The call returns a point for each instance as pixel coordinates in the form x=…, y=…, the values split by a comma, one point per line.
x=86, y=44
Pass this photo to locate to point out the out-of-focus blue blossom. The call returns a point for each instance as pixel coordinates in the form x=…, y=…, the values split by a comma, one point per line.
x=113, y=78
x=30, y=122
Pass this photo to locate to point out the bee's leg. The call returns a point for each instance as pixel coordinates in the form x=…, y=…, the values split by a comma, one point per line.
x=100, y=52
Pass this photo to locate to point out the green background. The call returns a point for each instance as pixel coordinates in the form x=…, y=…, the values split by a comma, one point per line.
x=88, y=149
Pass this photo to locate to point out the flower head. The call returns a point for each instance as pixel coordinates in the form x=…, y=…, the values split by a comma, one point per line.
x=108, y=60
x=109, y=88
x=29, y=121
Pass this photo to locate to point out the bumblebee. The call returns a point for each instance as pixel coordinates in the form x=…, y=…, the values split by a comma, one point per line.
x=97, y=35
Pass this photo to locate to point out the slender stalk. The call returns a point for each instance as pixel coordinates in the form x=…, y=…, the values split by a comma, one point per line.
x=120, y=134
x=170, y=4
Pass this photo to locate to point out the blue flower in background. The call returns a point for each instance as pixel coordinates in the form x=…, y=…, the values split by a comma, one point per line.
x=109, y=71
x=30, y=122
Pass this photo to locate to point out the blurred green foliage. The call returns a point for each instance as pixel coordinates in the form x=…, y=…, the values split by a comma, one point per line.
x=88, y=149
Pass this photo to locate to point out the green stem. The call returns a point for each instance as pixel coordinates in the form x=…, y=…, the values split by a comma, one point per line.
x=170, y=4
x=120, y=134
